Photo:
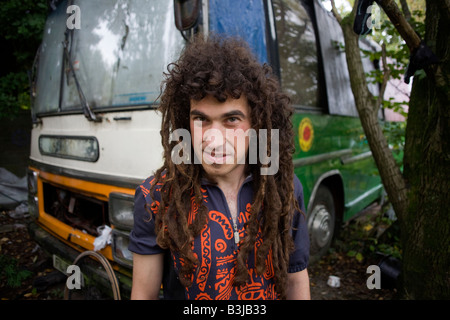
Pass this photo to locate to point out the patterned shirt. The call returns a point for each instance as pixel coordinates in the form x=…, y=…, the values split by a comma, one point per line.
x=218, y=244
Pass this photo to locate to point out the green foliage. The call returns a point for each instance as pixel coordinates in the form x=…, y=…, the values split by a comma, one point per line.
x=397, y=56
x=396, y=49
x=11, y=272
x=13, y=94
x=395, y=135
x=368, y=236
x=22, y=23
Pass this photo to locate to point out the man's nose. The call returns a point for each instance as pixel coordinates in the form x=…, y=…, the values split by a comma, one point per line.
x=214, y=136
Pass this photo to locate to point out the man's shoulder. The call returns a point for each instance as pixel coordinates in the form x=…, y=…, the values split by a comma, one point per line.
x=146, y=188
x=298, y=188
x=148, y=182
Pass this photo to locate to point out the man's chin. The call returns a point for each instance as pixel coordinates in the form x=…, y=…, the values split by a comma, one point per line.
x=217, y=169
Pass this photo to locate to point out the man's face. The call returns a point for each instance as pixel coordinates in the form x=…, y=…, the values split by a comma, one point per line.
x=219, y=136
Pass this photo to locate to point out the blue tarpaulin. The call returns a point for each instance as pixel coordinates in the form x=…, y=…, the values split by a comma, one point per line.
x=245, y=19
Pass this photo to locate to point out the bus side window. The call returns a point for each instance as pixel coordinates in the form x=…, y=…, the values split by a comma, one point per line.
x=297, y=49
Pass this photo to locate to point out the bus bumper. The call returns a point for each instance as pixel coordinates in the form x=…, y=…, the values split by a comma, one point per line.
x=64, y=255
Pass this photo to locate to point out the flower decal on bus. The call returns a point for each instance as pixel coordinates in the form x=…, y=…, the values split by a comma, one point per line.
x=305, y=134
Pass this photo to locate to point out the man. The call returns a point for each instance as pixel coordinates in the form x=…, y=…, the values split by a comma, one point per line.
x=218, y=224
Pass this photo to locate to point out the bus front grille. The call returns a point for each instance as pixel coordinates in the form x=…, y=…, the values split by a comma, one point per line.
x=76, y=210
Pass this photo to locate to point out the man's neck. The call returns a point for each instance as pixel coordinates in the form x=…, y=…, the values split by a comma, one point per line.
x=231, y=182
x=230, y=185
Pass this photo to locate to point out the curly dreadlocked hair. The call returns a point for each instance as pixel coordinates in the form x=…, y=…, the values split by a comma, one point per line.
x=223, y=68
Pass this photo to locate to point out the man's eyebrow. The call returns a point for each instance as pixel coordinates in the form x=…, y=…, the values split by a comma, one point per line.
x=233, y=113
x=225, y=115
x=198, y=113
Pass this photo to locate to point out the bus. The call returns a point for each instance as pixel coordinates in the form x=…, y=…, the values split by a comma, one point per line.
x=95, y=134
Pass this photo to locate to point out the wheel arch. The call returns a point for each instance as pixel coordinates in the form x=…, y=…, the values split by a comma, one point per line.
x=333, y=180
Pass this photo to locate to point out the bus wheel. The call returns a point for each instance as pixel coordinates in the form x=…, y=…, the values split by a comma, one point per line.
x=321, y=223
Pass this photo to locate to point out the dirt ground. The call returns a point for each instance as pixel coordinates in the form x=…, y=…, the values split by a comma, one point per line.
x=23, y=261
x=353, y=278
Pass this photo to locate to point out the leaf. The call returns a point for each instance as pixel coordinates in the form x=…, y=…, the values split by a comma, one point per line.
x=351, y=253
x=359, y=257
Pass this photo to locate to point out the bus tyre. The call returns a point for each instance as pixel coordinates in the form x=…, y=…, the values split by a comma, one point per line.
x=321, y=223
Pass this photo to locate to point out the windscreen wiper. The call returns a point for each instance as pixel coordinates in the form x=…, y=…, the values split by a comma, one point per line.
x=91, y=116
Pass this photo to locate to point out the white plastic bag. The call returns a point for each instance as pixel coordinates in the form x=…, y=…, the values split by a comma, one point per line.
x=103, y=239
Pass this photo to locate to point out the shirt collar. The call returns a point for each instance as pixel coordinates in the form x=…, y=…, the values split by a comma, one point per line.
x=205, y=182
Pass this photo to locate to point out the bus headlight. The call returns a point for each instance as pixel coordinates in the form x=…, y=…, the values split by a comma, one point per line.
x=121, y=207
x=121, y=254
x=78, y=148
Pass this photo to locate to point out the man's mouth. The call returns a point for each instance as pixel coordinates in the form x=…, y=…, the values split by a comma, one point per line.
x=216, y=157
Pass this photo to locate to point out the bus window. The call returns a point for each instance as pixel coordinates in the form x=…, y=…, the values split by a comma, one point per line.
x=337, y=79
x=250, y=26
x=50, y=62
x=297, y=52
x=119, y=55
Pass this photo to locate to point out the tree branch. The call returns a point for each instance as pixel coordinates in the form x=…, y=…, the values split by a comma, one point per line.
x=390, y=173
x=413, y=42
x=401, y=24
x=335, y=12
x=405, y=10
x=386, y=76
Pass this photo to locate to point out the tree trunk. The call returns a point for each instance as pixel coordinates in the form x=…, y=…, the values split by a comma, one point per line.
x=366, y=105
x=425, y=229
x=423, y=210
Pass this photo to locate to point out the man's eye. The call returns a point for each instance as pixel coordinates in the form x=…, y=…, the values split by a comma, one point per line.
x=233, y=119
x=199, y=118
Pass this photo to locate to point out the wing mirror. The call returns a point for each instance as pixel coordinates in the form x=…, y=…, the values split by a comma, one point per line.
x=186, y=13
